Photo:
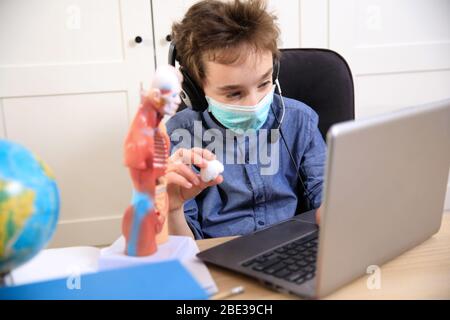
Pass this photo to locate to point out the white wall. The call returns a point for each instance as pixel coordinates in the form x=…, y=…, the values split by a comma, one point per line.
x=399, y=51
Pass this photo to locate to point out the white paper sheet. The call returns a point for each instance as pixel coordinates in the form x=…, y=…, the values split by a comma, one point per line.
x=57, y=263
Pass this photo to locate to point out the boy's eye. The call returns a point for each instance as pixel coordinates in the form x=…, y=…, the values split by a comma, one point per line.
x=234, y=94
x=264, y=84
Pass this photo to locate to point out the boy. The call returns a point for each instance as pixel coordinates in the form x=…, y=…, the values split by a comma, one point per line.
x=229, y=49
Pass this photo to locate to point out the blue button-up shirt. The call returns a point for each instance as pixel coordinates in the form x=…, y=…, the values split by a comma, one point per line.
x=255, y=192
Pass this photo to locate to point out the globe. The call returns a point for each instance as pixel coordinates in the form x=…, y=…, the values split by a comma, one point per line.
x=29, y=205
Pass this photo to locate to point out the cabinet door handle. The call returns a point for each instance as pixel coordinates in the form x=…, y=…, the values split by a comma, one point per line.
x=138, y=39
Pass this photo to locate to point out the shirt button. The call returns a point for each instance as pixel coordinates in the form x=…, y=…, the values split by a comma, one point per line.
x=261, y=223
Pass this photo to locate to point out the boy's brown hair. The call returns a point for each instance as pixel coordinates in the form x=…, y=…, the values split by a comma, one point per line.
x=220, y=31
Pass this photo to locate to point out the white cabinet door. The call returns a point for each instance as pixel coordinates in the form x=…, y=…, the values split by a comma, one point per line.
x=385, y=36
x=166, y=12
x=2, y=122
x=69, y=83
x=399, y=51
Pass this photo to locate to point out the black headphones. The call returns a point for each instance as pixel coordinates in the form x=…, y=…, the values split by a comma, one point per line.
x=192, y=94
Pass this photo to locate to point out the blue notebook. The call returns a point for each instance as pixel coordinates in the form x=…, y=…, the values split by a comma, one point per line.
x=163, y=281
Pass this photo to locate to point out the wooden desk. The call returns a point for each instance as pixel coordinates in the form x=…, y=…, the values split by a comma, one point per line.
x=421, y=273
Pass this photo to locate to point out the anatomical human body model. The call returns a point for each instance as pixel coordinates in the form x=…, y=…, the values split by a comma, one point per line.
x=147, y=148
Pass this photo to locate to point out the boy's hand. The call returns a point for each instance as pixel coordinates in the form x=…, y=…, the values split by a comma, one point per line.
x=182, y=182
x=318, y=214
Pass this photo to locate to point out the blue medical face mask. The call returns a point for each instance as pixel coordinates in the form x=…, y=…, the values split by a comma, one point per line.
x=241, y=118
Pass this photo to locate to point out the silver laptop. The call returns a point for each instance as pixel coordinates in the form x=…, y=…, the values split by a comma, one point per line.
x=385, y=185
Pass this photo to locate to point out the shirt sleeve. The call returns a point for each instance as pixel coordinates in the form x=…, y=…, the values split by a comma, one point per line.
x=313, y=161
x=192, y=218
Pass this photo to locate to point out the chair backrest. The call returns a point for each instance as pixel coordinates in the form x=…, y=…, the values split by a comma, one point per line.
x=322, y=79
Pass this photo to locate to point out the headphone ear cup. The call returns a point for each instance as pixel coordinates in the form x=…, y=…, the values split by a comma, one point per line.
x=192, y=95
x=186, y=90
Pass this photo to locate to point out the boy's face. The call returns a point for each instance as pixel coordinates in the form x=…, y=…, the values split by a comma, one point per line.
x=243, y=83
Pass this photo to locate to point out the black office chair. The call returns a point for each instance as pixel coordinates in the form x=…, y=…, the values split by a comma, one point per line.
x=322, y=79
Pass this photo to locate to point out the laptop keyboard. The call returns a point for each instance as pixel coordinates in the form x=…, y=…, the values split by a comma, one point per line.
x=294, y=261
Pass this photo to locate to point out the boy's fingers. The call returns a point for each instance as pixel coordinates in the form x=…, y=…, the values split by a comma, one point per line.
x=190, y=157
x=175, y=178
x=186, y=172
x=204, y=153
x=218, y=180
x=214, y=182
